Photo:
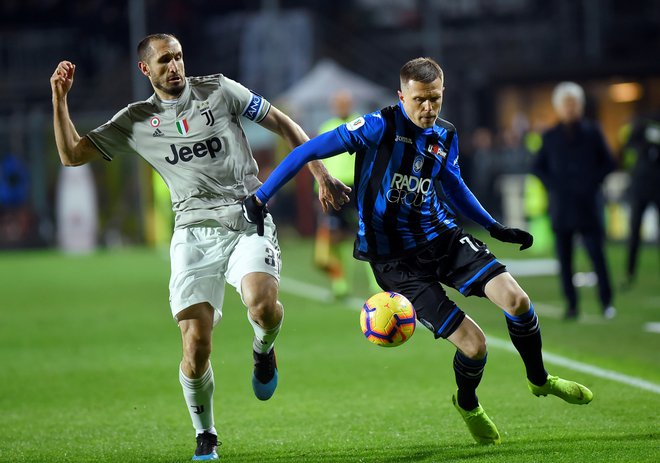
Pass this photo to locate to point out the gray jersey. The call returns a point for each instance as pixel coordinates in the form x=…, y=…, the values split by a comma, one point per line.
x=196, y=144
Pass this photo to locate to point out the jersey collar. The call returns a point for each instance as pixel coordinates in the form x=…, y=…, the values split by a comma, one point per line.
x=185, y=96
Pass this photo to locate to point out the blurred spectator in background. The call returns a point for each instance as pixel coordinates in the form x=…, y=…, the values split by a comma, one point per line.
x=14, y=184
x=572, y=164
x=484, y=170
x=642, y=155
x=333, y=250
x=16, y=218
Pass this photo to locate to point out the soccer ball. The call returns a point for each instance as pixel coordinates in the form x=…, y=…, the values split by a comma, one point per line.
x=387, y=319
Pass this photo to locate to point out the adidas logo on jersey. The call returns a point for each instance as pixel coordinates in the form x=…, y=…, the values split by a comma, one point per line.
x=158, y=133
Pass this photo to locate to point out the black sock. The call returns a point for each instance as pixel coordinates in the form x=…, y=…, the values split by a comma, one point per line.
x=468, y=374
x=525, y=335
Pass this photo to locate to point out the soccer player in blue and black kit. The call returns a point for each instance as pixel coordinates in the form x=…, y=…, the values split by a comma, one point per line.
x=404, y=155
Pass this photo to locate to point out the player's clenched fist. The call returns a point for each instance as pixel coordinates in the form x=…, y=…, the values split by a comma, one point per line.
x=62, y=79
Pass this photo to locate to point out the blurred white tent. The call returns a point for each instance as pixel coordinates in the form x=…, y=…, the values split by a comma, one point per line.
x=308, y=100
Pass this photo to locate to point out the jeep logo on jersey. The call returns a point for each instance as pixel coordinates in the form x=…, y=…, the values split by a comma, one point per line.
x=199, y=150
x=253, y=107
x=408, y=190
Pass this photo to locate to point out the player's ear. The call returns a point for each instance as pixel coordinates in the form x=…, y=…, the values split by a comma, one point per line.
x=400, y=93
x=144, y=68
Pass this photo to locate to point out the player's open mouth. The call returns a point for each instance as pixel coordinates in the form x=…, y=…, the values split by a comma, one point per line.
x=174, y=79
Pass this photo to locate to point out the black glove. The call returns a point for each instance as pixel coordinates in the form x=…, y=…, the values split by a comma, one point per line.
x=255, y=213
x=511, y=235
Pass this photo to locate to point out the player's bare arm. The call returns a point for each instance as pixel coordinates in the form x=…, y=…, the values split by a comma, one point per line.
x=73, y=149
x=332, y=192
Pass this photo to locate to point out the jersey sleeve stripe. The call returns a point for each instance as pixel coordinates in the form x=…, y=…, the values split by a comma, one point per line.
x=265, y=113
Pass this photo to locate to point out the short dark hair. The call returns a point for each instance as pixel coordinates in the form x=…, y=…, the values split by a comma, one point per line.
x=424, y=70
x=144, y=47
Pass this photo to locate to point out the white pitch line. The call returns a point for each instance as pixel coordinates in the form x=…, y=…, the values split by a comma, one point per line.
x=531, y=267
x=317, y=293
x=583, y=367
x=652, y=327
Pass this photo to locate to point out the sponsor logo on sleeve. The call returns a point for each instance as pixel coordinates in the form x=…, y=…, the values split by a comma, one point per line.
x=355, y=124
x=253, y=108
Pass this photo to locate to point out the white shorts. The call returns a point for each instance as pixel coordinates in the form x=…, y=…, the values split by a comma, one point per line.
x=203, y=258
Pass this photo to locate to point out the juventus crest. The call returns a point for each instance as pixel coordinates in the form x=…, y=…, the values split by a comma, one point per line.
x=206, y=112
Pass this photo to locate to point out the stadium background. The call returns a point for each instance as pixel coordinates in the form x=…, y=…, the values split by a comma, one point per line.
x=501, y=60
x=87, y=348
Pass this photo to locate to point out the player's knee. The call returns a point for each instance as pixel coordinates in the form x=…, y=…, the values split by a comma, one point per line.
x=266, y=312
x=476, y=348
x=517, y=302
x=260, y=296
x=476, y=351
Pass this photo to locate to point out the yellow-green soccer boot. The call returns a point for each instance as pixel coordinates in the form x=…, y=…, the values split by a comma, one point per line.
x=481, y=427
x=570, y=391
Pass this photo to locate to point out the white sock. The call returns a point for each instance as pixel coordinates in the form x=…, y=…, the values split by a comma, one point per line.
x=264, y=339
x=198, y=393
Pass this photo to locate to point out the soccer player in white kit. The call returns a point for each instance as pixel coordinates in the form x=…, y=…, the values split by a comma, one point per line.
x=189, y=130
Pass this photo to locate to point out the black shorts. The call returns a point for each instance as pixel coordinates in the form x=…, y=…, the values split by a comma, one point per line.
x=455, y=259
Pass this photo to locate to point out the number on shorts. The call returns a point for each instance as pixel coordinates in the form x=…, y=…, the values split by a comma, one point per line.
x=468, y=241
x=271, y=258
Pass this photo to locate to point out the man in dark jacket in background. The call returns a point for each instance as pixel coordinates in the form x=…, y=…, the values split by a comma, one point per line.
x=572, y=164
x=642, y=151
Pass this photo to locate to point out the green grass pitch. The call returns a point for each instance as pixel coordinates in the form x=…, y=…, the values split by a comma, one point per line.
x=89, y=356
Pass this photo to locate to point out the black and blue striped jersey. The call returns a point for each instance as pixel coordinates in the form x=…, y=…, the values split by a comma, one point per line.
x=398, y=170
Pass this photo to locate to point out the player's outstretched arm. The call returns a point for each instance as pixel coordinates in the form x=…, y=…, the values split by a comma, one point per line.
x=332, y=192
x=325, y=145
x=73, y=149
